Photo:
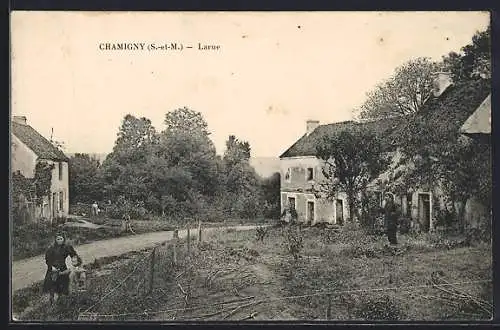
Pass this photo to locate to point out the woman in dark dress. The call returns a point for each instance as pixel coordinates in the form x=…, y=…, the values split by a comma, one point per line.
x=57, y=277
x=391, y=219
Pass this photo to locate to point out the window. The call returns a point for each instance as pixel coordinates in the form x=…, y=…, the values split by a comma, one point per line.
x=288, y=175
x=61, y=201
x=378, y=197
x=310, y=174
x=60, y=170
x=291, y=202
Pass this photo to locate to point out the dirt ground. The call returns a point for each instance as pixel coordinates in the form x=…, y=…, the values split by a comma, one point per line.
x=238, y=278
x=346, y=275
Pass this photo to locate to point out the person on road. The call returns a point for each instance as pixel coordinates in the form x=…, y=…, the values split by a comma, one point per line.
x=95, y=209
x=56, y=281
x=391, y=219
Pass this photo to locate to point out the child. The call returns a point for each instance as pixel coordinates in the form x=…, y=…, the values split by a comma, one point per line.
x=56, y=281
x=78, y=280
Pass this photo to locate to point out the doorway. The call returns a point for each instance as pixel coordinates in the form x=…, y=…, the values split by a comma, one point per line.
x=424, y=211
x=54, y=205
x=339, y=211
x=408, y=204
x=310, y=212
x=291, y=202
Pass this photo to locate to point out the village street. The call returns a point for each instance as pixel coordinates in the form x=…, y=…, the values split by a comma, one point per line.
x=29, y=271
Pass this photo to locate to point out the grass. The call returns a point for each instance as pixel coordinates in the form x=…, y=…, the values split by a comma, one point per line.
x=229, y=265
x=32, y=239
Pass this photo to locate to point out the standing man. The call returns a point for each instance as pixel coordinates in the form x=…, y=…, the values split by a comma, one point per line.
x=391, y=219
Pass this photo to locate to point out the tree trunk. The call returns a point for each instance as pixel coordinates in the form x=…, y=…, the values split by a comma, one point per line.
x=352, y=206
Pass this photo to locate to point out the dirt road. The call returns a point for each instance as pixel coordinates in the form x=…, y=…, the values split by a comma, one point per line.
x=28, y=271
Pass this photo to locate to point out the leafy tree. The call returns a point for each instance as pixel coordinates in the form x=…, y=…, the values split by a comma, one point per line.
x=239, y=175
x=270, y=188
x=436, y=153
x=474, y=59
x=465, y=171
x=352, y=160
x=403, y=93
x=187, y=121
x=186, y=143
x=240, y=179
x=123, y=171
x=136, y=138
x=236, y=151
x=84, y=184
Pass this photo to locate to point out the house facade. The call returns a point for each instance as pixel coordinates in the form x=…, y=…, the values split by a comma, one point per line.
x=301, y=170
x=302, y=173
x=478, y=127
x=28, y=148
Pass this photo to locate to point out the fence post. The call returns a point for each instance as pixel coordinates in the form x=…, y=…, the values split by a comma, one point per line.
x=199, y=230
x=188, y=241
x=174, y=245
x=152, y=270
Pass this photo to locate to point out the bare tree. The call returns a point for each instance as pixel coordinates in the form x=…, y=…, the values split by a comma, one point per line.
x=404, y=92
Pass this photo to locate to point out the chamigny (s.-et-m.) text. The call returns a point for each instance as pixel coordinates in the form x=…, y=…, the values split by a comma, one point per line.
x=159, y=46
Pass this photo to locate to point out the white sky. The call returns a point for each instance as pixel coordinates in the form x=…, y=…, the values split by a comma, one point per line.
x=268, y=79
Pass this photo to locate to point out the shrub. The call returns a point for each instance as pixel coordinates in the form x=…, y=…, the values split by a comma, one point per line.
x=482, y=233
x=261, y=233
x=445, y=218
x=30, y=239
x=80, y=209
x=370, y=211
x=293, y=241
x=123, y=207
x=404, y=225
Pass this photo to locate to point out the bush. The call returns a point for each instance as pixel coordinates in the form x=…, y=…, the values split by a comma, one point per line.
x=123, y=207
x=80, y=209
x=445, y=218
x=30, y=239
x=482, y=233
x=293, y=241
x=260, y=233
x=404, y=225
x=370, y=213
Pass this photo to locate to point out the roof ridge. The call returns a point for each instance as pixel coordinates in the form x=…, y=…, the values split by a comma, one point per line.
x=38, y=143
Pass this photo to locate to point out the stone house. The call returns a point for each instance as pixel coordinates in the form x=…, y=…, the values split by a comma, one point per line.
x=478, y=127
x=444, y=114
x=301, y=170
x=28, y=148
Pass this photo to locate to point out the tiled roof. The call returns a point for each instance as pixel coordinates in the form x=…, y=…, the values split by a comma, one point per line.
x=36, y=142
x=480, y=121
x=444, y=114
x=306, y=145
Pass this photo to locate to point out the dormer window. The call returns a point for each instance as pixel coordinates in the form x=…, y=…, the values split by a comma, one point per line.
x=310, y=174
x=288, y=175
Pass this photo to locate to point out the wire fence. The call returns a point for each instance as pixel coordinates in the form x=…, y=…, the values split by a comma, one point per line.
x=147, y=281
x=174, y=280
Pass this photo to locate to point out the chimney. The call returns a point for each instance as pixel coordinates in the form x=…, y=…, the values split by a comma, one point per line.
x=19, y=119
x=311, y=125
x=442, y=81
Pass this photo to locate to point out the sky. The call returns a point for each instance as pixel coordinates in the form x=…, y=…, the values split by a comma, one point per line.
x=273, y=71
